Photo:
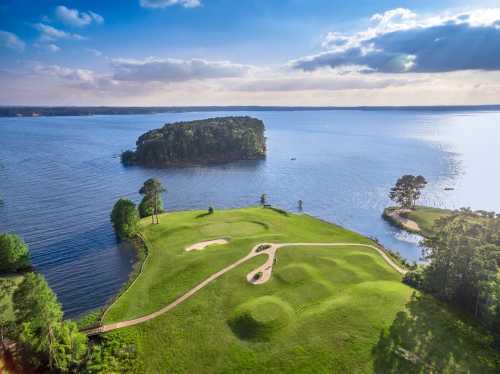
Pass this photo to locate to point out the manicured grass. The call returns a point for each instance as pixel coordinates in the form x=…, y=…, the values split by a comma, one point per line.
x=325, y=310
x=426, y=217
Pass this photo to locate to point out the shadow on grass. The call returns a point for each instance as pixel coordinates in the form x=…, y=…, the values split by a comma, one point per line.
x=204, y=215
x=429, y=338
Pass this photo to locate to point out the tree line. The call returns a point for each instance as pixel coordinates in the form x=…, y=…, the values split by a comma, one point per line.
x=44, y=340
x=463, y=257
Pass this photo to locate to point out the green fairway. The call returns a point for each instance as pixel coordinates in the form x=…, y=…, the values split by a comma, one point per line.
x=324, y=310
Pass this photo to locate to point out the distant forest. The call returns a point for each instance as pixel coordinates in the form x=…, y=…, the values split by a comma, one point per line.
x=43, y=111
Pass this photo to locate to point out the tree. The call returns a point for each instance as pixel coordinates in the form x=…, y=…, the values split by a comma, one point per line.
x=46, y=340
x=125, y=218
x=14, y=254
x=147, y=206
x=464, y=265
x=152, y=201
x=407, y=190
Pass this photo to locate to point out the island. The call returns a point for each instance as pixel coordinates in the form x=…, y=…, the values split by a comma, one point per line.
x=212, y=140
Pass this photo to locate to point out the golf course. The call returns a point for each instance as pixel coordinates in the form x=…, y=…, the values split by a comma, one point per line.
x=258, y=290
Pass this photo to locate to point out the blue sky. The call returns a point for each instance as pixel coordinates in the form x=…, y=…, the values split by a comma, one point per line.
x=245, y=52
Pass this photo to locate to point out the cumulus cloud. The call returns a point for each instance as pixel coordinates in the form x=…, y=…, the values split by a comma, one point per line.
x=399, y=41
x=11, y=41
x=49, y=33
x=82, y=78
x=174, y=70
x=167, y=3
x=286, y=84
x=74, y=17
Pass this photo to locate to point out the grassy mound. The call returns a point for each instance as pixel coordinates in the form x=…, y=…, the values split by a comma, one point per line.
x=295, y=273
x=258, y=319
x=324, y=310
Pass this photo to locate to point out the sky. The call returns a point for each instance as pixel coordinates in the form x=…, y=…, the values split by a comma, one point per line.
x=249, y=52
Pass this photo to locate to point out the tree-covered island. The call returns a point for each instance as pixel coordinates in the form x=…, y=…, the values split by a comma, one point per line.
x=211, y=140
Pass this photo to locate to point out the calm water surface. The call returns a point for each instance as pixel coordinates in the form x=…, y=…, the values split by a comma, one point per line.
x=60, y=176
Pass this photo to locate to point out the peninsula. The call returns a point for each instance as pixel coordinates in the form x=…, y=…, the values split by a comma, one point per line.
x=211, y=140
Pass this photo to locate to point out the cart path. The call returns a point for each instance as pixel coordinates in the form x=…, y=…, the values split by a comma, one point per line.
x=265, y=269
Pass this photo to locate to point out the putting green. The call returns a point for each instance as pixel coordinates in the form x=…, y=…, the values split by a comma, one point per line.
x=239, y=228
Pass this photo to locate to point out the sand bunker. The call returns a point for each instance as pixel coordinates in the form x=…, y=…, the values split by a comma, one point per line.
x=202, y=245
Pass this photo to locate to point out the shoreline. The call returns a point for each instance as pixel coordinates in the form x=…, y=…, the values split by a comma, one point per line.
x=393, y=215
x=27, y=111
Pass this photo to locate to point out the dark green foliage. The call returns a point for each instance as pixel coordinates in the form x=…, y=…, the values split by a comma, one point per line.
x=210, y=210
x=152, y=203
x=407, y=190
x=203, y=141
x=125, y=218
x=128, y=158
x=14, y=254
x=46, y=340
x=464, y=267
x=147, y=206
x=114, y=353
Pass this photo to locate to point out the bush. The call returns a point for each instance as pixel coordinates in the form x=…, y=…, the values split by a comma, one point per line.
x=125, y=218
x=210, y=210
x=14, y=253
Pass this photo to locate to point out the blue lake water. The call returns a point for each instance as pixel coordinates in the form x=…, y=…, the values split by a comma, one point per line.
x=60, y=176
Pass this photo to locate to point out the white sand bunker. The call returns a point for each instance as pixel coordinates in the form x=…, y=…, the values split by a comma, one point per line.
x=202, y=245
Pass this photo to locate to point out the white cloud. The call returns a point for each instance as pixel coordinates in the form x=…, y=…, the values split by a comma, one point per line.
x=74, y=17
x=95, y=52
x=175, y=70
x=82, y=78
x=11, y=41
x=49, y=33
x=399, y=41
x=167, y=3
x=49, y=47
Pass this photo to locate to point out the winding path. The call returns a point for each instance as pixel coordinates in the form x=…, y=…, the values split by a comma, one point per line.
x=265, y=269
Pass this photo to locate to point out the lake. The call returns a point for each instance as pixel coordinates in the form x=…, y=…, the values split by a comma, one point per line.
x=60, y=176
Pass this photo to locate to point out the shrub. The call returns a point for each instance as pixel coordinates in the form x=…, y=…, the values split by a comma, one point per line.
x=14, y=253
x=125, y=218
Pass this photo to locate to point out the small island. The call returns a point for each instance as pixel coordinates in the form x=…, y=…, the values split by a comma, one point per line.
x=212, y=140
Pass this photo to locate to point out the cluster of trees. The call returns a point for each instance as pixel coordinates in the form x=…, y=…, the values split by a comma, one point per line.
x=202, y=141
x=125, y=215
x=464, y=265
x=45, y=341
x=408, y=190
